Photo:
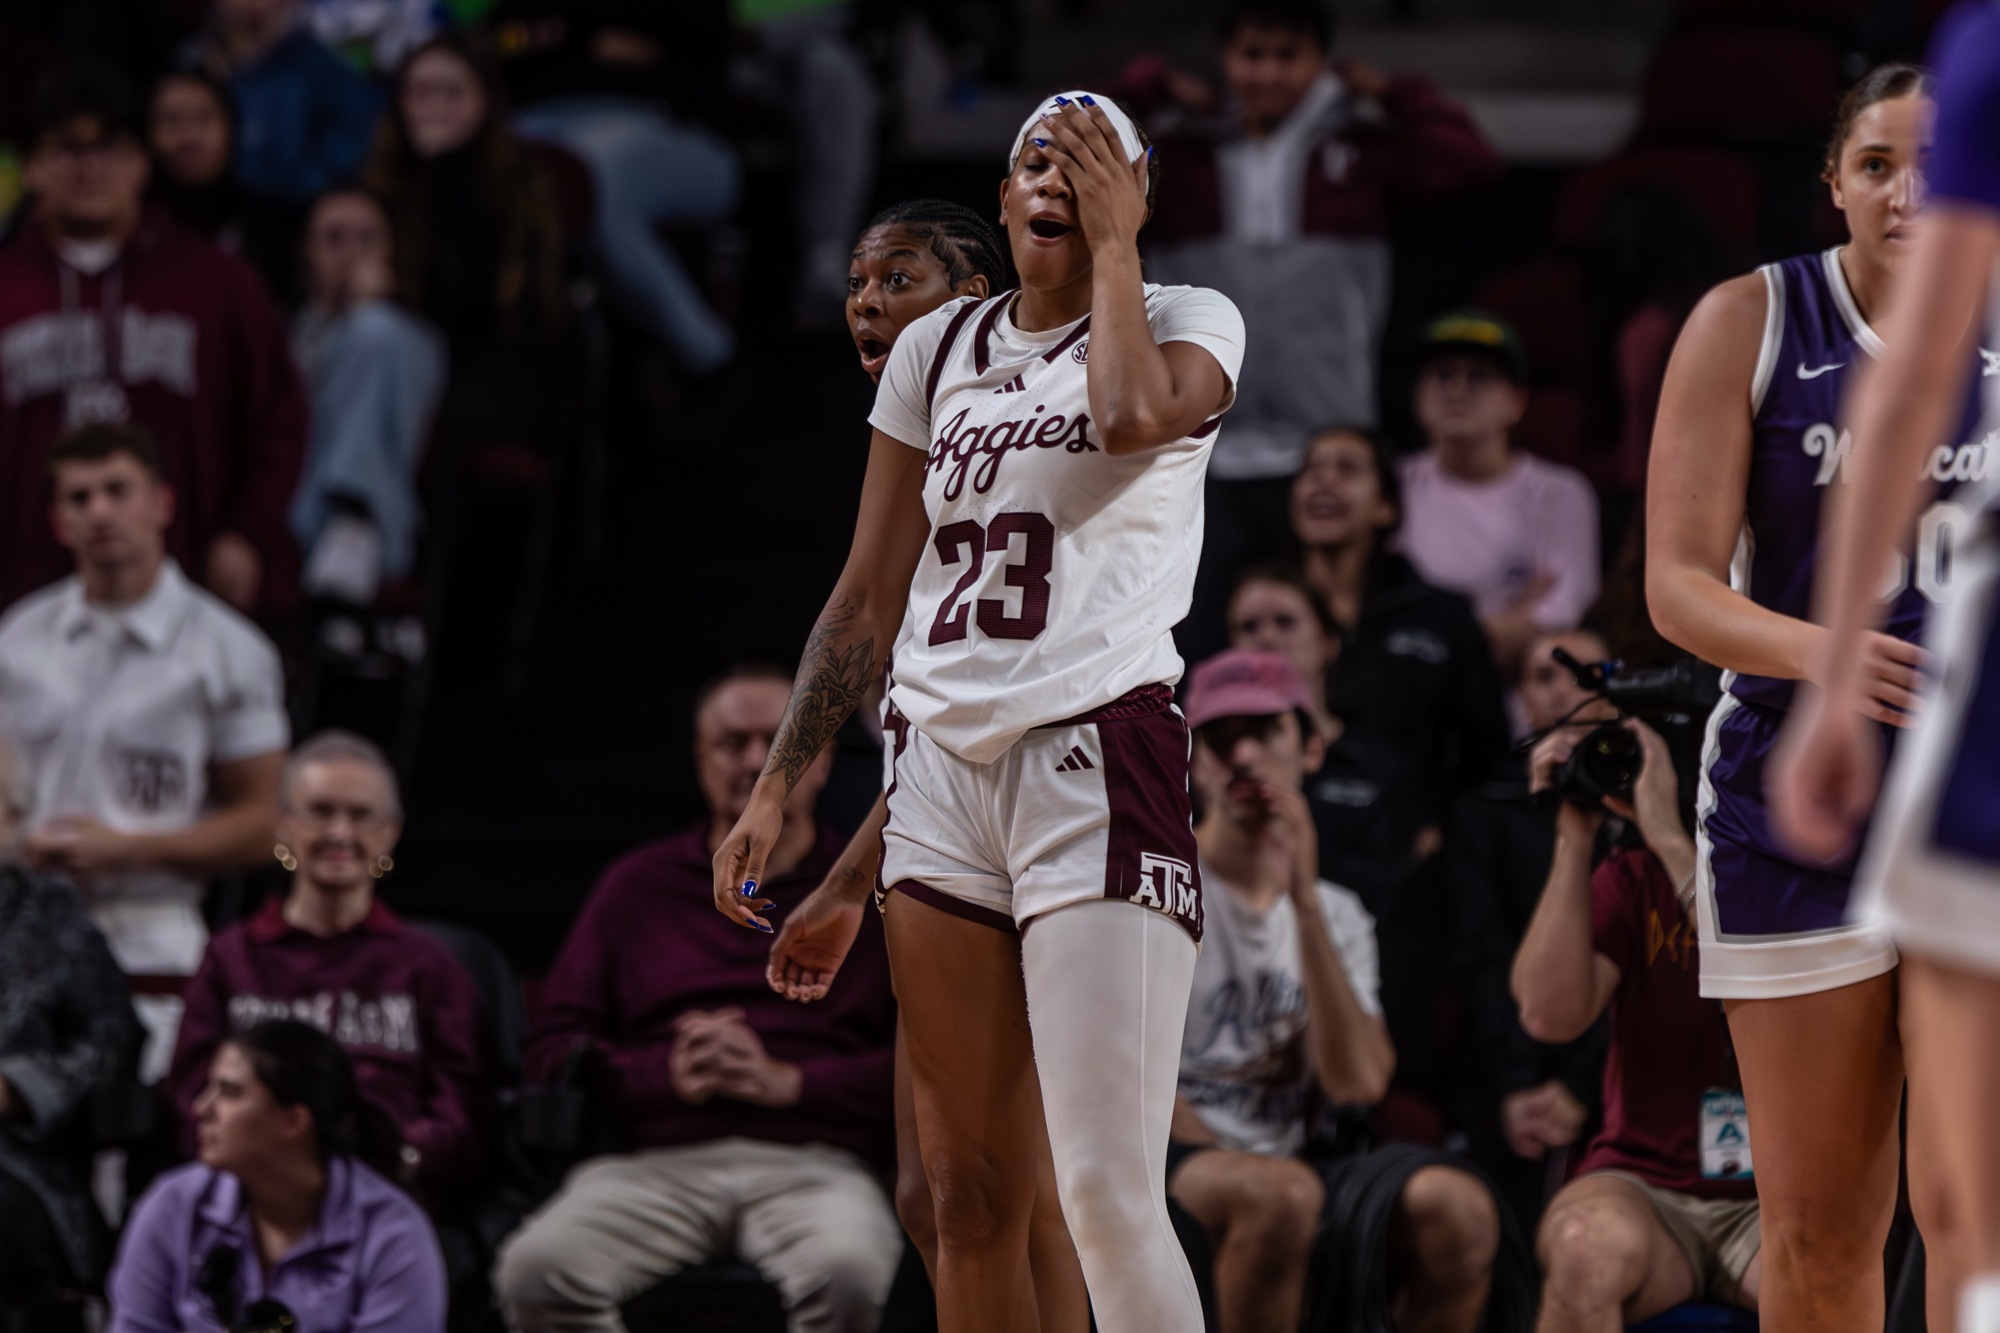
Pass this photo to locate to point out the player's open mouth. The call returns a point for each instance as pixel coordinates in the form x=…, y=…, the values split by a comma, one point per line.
x=874, y=352
x=1049, y=229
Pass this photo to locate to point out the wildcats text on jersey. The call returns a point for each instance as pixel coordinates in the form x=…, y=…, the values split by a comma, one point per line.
x=1964, y=462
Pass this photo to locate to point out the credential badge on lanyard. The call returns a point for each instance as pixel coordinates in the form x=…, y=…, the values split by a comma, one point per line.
x=1725, y=1135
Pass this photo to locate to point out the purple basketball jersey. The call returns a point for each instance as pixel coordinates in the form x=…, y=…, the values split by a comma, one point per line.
x=1814, y=337
x=1965, y=171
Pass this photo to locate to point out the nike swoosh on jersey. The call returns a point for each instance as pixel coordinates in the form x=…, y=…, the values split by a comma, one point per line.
x=1817, y=371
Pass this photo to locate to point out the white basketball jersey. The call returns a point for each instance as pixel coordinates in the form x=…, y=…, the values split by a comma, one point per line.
x=1055, y=572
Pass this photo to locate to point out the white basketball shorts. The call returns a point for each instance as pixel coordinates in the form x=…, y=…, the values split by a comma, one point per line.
x=1093, y=807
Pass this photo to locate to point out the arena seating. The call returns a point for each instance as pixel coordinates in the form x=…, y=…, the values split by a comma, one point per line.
x=1741, y=81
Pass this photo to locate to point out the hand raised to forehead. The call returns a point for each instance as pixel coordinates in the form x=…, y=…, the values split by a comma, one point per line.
x=1110, y=192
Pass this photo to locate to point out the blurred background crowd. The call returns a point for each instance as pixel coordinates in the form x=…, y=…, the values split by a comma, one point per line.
x=454, y=403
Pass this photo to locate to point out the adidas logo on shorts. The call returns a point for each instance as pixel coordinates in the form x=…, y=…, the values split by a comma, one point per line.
x=1075, y=762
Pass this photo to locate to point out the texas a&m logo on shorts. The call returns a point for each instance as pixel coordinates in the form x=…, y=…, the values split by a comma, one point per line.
x=1168, y=884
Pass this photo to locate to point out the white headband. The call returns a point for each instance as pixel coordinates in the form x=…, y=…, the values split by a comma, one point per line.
x=1128, y=133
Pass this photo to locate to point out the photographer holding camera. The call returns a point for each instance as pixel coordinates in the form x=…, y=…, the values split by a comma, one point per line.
x=1664, y=1209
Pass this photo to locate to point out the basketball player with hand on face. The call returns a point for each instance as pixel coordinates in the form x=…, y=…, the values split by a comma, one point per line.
x=912, y=258
x=1746, y=443
x=1033, y=502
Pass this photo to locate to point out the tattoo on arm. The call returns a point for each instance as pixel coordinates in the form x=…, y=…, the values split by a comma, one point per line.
x=834, y=672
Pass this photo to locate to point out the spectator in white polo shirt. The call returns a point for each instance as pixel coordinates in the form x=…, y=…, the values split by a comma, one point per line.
x=151, y=718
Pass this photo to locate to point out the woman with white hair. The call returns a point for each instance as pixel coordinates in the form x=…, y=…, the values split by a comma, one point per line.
x=330, y=953
x=1033, y=502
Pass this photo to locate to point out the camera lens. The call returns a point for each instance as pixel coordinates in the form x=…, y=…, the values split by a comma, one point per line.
x=1604, y=763
x=1609, y=760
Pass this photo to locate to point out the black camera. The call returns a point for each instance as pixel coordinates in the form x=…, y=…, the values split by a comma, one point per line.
x=1606, y=762
x=216, y=1279
x=266, y=1316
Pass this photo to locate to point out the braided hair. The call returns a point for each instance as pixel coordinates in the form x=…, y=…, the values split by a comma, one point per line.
x=963, y=242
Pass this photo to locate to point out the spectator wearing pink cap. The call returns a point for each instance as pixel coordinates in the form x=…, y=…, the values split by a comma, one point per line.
x=1284, y=1017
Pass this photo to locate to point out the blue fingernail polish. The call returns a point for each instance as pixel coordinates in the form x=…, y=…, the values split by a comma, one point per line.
x=1041, y=143
x=749, y=888
x=761, y=926
x=1062, y=101
x=1087, y=100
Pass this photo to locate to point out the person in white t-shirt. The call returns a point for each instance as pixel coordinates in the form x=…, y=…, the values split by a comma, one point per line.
x=151, y=717
x=1284, y=1011
x=1029, y=529
x=1515, y=533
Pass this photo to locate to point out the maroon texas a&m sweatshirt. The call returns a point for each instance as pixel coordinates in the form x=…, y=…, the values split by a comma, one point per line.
x=649, y=945
x=396, y=1000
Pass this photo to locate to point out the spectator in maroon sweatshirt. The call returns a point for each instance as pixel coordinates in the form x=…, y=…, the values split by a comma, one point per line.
x=760, y=1125
x=110, y=312
x=1279, y=193
x=330, y=954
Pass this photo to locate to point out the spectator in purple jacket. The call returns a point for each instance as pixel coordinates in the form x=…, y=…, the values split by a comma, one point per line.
x=758, y=1125
x=330, y=954
x=1279, y=193
x=288, y=1212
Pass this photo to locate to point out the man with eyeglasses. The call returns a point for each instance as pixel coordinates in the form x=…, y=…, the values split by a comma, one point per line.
x=151, y=718
x=111, y=313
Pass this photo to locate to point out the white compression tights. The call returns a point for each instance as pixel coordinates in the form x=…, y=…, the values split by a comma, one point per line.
x=1107, y=999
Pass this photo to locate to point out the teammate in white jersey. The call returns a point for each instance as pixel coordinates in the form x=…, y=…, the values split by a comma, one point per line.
x=912, y=258
x=1030, y=523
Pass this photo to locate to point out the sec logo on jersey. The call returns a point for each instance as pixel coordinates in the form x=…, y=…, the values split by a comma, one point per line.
x=1081, y=352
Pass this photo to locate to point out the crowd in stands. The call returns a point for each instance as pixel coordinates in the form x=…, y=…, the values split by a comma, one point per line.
x=1445, y=1061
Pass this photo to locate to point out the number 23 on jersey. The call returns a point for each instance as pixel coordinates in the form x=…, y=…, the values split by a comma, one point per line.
x=967, y=542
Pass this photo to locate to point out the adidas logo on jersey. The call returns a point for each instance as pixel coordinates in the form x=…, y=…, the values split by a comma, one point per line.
x=1075, y=762
x=1013, y=386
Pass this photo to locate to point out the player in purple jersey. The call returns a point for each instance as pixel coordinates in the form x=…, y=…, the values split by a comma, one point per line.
x=1932, y=872
x=1744, y=443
